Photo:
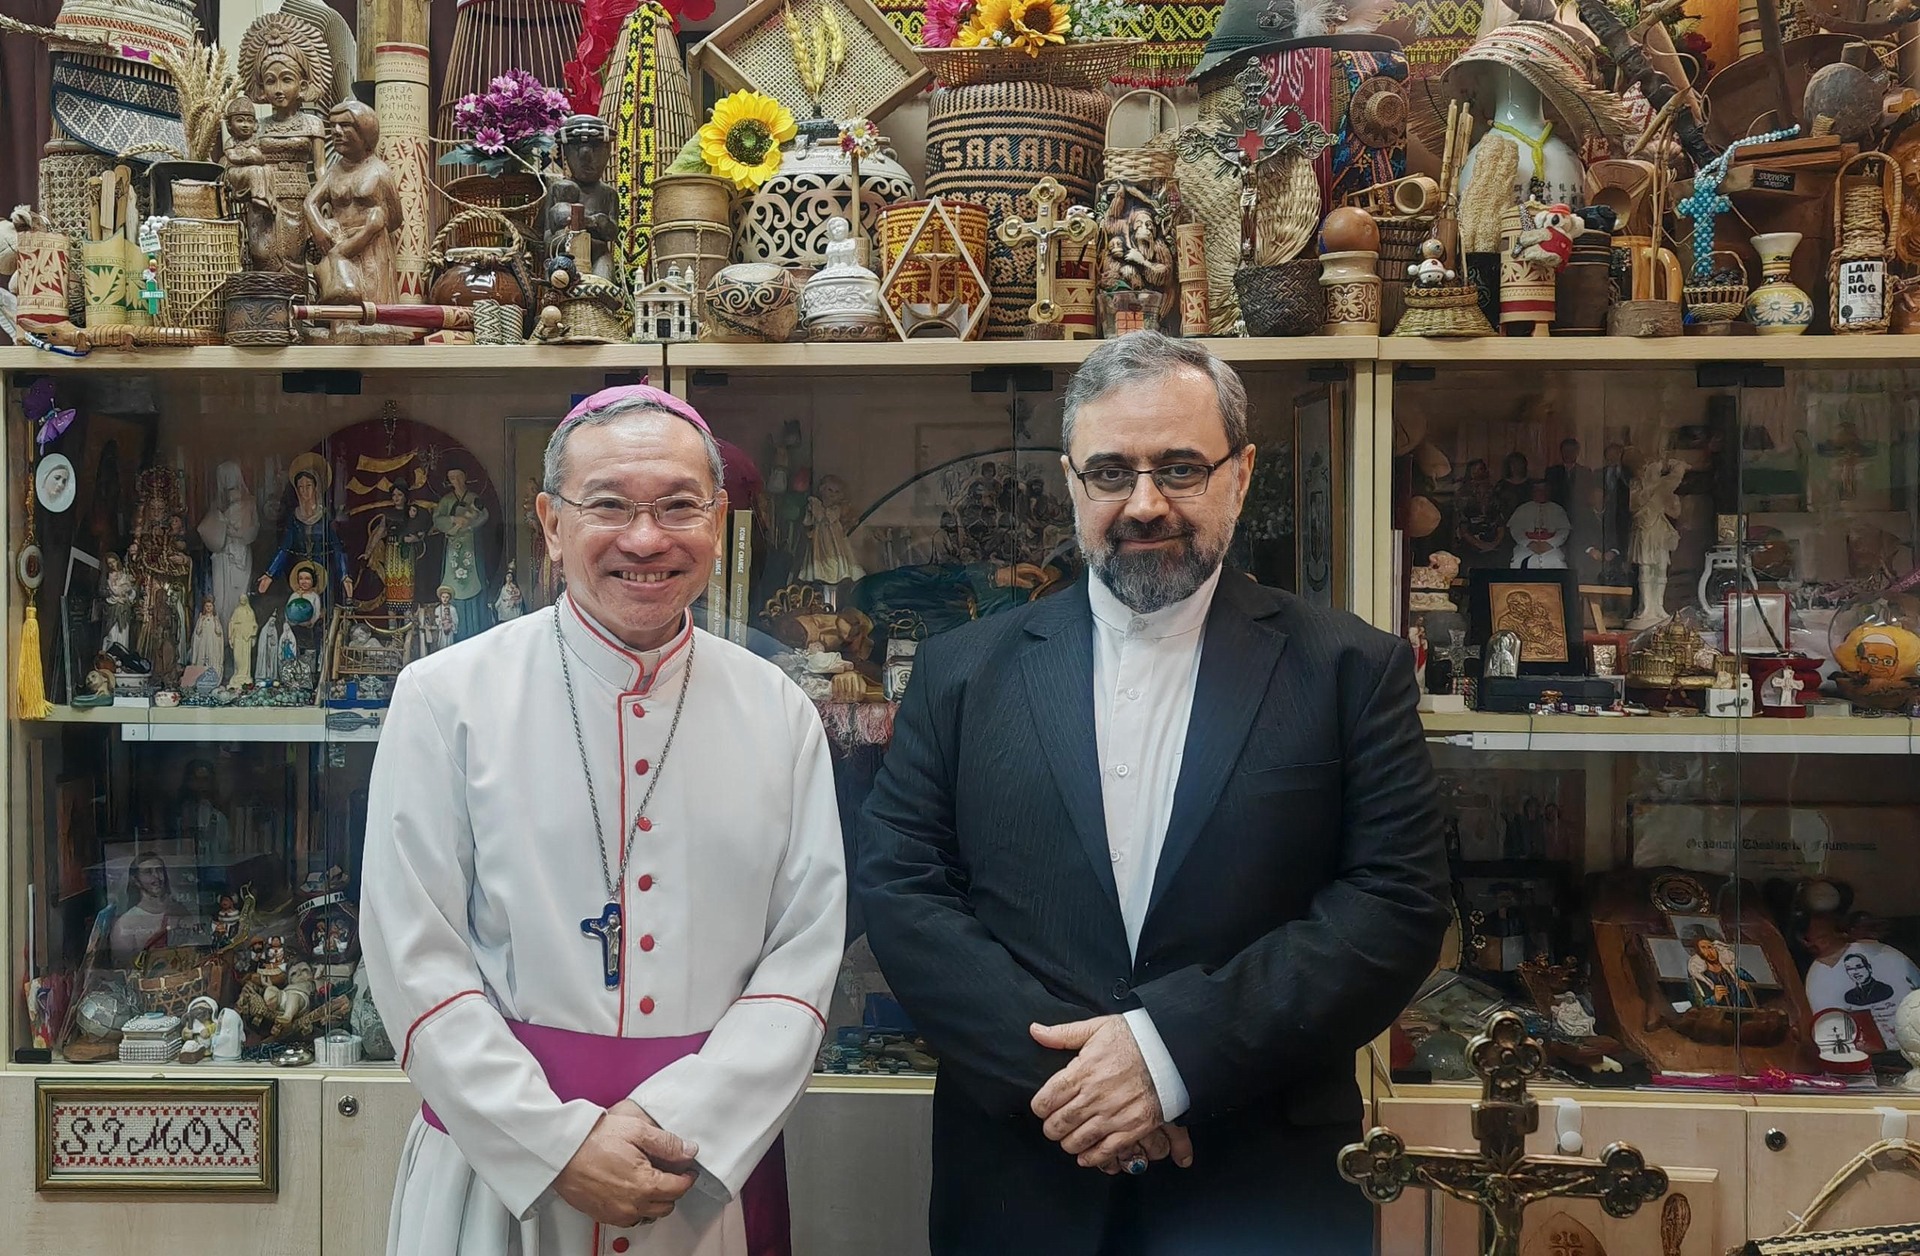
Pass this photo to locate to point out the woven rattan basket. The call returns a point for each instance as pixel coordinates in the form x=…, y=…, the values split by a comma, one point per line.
x=1717, y=302
x=1088, y=63
x=1283, y=300
x=594, y=313
x=1139, y=165
x=1452, y=310
x=1286, y=212
x=1867, y=199
x=699, y=249
x=515, y=196
x=1400, y=239
x=259, y=310
x=67, y=201
x=197, y=257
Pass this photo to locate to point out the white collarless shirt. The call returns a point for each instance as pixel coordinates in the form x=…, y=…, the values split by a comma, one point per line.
x=1145, y=669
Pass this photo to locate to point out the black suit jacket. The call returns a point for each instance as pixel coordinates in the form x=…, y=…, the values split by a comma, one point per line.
x=1298, y=903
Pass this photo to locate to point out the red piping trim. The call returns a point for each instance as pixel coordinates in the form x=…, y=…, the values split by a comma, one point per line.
x=646, y=682
x=784, y=998
x=406, y=1048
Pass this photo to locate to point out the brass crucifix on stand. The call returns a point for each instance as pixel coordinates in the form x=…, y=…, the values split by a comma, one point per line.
x=1501, y=1178
x=1047, y=225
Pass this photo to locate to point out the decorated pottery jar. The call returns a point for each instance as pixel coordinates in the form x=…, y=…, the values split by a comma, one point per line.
x=1778, y=306
x=842, y=300
x=750, y=303
x=785, y=221
x=1351, y=280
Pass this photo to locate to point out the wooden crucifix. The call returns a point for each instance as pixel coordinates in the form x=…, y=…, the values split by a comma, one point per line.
x=1261, y=136
x=1047, y=225
x=1501, y=1178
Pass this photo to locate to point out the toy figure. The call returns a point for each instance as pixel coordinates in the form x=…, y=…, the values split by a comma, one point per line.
x=117, y=604
x=226, y=921
x=304, y=609
x=396, y=542
x=285, y=64
x=1548, y=243
x=458, y=516
x=353, y=213
x=309, y=535
x=266, y=652
x=1430, y=271
x=586, y=145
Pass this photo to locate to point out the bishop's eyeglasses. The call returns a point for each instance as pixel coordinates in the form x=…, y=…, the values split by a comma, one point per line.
x=681, y=512
x=1112, y=482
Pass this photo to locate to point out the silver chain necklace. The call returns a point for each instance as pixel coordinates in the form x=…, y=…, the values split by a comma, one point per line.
x=606, y=927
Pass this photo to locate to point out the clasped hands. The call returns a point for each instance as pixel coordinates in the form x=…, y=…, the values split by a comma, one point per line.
x=1103, y=1108
x=629, y=1171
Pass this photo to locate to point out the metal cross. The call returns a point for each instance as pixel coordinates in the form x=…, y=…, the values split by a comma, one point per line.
x=1456, y=653
x=1261, y=136
x=606, y=927
x=1500, y=1177
x=1078, y=225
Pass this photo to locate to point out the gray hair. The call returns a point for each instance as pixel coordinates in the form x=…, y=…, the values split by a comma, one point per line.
x=1143, y=356
x=554, y=465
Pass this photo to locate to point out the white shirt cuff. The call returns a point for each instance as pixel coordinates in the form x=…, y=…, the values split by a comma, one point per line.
x=1167, y=1083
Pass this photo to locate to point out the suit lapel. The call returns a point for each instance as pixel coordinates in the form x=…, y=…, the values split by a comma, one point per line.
x=1059, y=676
x=1237, y=658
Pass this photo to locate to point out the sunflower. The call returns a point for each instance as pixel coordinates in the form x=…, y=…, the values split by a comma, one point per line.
x=1028, y=25
x=742, y=140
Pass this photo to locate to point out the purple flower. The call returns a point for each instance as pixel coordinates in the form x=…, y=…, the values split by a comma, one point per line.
x=506, y=87
x=490, y=140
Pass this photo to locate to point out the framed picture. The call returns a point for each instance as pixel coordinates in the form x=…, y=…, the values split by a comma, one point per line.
x=1541, y=607
x=1320, y=417
x=533, y=571
x=1755, y=621
x=141, y=1135
x=76, y=834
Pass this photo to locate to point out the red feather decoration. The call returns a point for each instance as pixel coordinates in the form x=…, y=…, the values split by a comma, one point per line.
x=601, y=22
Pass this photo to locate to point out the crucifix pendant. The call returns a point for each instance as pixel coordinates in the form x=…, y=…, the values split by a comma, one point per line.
x=606, y=927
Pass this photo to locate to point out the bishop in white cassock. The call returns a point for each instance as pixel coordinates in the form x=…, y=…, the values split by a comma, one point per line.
x=604, y=896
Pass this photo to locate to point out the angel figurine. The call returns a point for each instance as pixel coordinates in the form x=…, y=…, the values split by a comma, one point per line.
x=829, y=558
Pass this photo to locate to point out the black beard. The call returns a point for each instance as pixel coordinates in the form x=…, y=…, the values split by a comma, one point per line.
x=1150, y=580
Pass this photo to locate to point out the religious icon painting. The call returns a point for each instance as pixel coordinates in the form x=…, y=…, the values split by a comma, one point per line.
x=1319, y=418
x=1540, y=608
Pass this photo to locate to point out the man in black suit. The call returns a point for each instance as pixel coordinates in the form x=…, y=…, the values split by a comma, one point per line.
x=1149, y=860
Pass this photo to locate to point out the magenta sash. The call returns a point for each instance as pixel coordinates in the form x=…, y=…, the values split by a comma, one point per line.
x=605, y=1070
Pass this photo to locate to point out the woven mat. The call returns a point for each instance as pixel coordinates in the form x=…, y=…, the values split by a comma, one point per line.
x=1175, y=31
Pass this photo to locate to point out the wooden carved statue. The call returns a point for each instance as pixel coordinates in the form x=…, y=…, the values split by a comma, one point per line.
x=286, y=66
x=353, y=213
x=586, y=146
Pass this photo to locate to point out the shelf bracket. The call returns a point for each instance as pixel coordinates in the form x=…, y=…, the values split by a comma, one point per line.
x=328, y=382
x=1739, y=375
x=997, y=379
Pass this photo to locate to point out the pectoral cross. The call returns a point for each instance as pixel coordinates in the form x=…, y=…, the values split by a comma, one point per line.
x=606, y=927
x=1500, y=1177
x=1077, y=226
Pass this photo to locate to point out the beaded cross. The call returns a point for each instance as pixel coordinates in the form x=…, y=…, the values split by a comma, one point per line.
x=1707, y=202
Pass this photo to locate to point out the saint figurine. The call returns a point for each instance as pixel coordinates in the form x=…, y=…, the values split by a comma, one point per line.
x=457, y=517
x=266, y=652
x=285, y=65
x=242, y=628
x=228, y=530
x=586, y=145
x=353, y=213
x=116, y=612
x=446, y=619
x=829, y=557
x=396, y=542
x=209, y=646
x=309, y=535
x=1655, y=505
x=509, y=604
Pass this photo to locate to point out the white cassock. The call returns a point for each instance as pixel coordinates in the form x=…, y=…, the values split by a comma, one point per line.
x=481, y=866
x=1539, y=521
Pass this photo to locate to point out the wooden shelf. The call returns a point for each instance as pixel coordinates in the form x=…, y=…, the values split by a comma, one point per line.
x=1607, y=351
x=265, y=724
x=464, y=359
x=958, y=355
x=1687, y=734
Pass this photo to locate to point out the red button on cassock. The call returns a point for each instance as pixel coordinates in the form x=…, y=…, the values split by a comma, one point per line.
x=646, y=1007
x=638, y=710
x=640, y=768
x=645, y=883
x=646, y=825
x=620, y=1245
x=646, y=942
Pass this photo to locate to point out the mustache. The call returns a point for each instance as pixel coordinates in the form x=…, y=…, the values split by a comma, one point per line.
x=1163, y=529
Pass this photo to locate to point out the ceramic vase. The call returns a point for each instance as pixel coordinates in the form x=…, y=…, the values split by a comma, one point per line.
x=750, y=302
x=785, y=221
x=1351, y=281
x=1777, y=306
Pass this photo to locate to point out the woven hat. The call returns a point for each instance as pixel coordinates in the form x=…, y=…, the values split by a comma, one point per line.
x=1549, y=58
x=134, y=29
x=1246, y=27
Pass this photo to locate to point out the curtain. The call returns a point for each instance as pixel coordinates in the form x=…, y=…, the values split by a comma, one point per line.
x=25, y=84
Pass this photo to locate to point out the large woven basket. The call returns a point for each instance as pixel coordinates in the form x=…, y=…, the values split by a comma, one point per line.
x=1286, y=212
x=516, y=197
x=914, y=284
x=990, y=143
x=197, y=257
x=1088, y=63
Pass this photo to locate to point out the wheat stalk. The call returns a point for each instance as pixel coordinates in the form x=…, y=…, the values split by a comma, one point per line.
x=837, y=38
x=802, y=55
x=206, y=86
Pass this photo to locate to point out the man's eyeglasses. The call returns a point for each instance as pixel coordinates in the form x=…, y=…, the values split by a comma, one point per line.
x=680, y=513
x=1115, y=483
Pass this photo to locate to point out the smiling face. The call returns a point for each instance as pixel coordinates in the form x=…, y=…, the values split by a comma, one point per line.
x=635, y=581
x=1858, y=970
x=1151, y=550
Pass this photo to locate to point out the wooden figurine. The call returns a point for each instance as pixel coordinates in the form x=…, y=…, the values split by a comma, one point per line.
x=586, y=145
x=353, y=212
x=285, y=65
x=1048, y=225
